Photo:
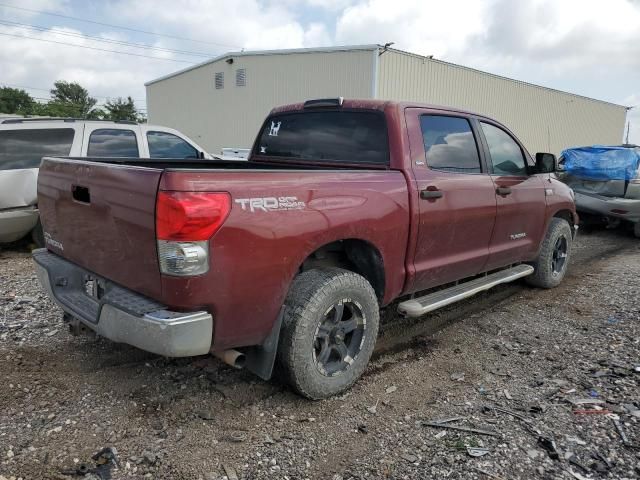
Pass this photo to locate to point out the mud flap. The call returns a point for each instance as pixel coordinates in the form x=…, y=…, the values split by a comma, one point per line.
x=261, y=358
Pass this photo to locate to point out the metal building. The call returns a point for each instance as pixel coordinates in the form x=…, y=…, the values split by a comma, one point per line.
x=222, y=102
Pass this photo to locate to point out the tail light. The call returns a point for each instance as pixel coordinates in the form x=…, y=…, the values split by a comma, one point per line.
x=185, y=221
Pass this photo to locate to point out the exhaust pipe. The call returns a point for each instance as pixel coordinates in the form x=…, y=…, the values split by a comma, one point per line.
x=232, y=357
x=76, y=327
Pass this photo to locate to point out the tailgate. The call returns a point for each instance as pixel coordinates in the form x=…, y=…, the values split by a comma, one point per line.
x=101, y=216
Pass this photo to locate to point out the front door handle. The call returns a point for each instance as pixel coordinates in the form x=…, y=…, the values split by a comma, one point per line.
x=430, y=193
x=504, y=191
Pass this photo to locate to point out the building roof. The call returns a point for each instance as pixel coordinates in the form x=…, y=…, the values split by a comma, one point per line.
x=250, y=53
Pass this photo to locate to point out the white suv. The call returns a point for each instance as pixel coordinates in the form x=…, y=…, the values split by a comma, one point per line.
x=24, y=141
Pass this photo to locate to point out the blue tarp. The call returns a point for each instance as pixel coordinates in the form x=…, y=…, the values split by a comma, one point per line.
x=602, y=163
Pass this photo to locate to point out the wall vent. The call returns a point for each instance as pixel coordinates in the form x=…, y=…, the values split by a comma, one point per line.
x=219, y=80
x=241, y=77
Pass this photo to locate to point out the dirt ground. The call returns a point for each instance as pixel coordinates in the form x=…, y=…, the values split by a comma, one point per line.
x=549, y=378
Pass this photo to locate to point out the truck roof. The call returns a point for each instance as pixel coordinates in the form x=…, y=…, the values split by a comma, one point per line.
x=365, y=104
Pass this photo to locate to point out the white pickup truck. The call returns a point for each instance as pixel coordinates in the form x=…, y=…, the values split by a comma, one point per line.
x=24, y=141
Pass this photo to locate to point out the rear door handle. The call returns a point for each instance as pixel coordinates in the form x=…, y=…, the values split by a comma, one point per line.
x=430, y=193
x=503, y=191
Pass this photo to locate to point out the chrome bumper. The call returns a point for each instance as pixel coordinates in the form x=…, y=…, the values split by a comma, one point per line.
x=121, y=315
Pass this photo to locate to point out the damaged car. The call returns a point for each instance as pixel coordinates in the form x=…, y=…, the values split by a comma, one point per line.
x=606, y=182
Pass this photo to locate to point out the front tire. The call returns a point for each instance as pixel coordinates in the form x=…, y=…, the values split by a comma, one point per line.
x=329, y=331
x=636, y=229
x=555, y=253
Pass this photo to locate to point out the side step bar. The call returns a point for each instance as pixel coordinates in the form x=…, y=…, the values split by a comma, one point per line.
x=417, y=307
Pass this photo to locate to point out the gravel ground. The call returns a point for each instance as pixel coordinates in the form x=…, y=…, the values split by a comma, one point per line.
x=517, y=364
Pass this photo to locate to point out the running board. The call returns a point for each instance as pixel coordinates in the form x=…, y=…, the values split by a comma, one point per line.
x=417, y=307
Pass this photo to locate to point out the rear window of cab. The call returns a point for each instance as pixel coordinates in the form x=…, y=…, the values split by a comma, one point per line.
x=338, y=136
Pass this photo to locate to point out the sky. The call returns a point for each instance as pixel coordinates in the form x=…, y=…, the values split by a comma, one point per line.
x=588, y=47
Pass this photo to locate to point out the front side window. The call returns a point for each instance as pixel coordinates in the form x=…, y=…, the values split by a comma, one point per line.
x=111, y=142
x=449, y=144
x=20, y=149
x=167, y=145
x=345, y=136
x=506, y=154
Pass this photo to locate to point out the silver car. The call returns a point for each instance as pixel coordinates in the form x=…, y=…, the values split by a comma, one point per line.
x=614, y=201
x=24, y=141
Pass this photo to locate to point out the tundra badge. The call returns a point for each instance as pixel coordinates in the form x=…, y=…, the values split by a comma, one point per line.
x=516, y=236
x=49, y=240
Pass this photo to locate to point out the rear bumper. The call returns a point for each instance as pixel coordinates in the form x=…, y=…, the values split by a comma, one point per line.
x=16, y=223
x=122, y=315
x=600, y=205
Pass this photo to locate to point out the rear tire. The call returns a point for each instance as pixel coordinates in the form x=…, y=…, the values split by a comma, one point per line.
x=329, y=331
x=636, y=229
x=555, y=253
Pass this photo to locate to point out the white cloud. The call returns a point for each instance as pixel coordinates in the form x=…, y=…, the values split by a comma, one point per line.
x=37, y=63
x=229, y=24
x=331, y=5
x=317, y=35
x=566, y=35
x=429, y=28
x=27, y=8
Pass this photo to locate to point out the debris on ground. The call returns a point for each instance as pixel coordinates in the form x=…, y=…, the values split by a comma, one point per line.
x=531, y=358
x=477, y=451
x=549, y=445
x=105, y=461
x=460, y=428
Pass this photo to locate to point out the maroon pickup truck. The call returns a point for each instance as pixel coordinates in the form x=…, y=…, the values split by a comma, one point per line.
x=342, y=208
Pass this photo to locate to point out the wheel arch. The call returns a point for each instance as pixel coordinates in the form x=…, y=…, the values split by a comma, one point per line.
x=569, y=216
x=353, y=254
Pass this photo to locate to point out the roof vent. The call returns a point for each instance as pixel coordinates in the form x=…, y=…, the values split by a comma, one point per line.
x=324, y=102
x=219, y=80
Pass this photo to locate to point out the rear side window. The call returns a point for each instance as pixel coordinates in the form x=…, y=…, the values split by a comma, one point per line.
x=329, y=136
x=25, y=148
x=506, y=155
x=110, y=142
x=449, y=144
x=167, y=145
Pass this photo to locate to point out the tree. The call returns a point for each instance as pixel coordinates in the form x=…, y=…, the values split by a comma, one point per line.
x=13, y=100
x=70, y=99
x=120, y=109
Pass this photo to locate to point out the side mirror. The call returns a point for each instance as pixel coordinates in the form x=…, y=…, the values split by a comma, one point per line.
x=546, y=163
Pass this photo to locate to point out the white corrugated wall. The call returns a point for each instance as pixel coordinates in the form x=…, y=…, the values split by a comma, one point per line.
x=231, y=116
x=545, y=120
